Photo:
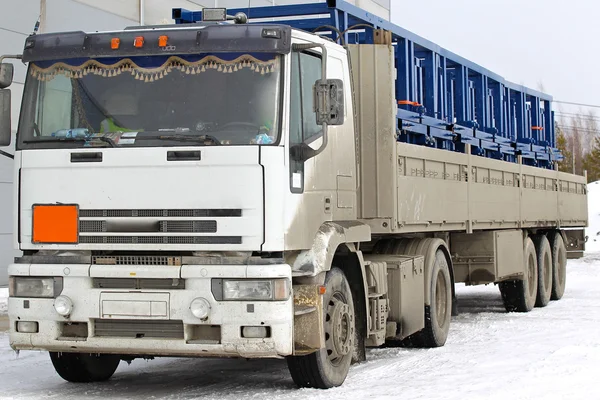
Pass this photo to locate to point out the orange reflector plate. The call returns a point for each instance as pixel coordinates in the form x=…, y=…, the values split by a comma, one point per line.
x=162, y=41
x=55, y=223
x=138, y=41
x=114, y=43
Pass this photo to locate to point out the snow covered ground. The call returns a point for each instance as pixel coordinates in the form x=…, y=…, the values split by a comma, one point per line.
x=3, y=300
x=551, y=353
x=593, y=230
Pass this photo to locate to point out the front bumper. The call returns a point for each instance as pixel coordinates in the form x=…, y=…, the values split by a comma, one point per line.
x=163, y=318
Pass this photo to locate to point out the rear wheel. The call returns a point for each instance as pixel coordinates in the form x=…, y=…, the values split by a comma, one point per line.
x=520, y=295
x=544, y=261
x=438, y=313
x=329, y=367
x=559, y=265
x=80, y=367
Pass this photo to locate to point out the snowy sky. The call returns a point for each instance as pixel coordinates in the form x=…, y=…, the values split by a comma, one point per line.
x=532, y=42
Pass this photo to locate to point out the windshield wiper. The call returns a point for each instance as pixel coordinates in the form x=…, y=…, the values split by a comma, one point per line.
x=183, y=138
x=73, y=139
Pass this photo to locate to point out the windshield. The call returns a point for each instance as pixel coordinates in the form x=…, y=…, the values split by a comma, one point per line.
x=207, y=99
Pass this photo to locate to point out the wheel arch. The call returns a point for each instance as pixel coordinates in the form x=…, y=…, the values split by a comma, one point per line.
x=330, y=237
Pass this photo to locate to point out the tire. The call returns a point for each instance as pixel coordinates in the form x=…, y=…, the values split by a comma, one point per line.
x=559, y=265
x=439, y=312
x=80, y=367
x=520, y=295
x=329, y=366
x=437, y=324
x=544, y=262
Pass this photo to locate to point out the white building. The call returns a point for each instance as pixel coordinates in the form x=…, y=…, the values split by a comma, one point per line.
x=17, y=20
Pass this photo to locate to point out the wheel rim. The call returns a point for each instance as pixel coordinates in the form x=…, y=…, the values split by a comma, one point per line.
x=531, y=277
x=339, y=329
x=441, y=299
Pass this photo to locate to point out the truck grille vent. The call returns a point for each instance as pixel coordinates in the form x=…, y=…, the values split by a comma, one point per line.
x=206, y=226
x=136, y=260
x=92, y=226
x=139, y=328
x=138, y=284
x=160, y=239
x=188, y=226
x=160, y=213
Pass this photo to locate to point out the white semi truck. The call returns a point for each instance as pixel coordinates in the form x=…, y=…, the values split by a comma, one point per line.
x=302, y=188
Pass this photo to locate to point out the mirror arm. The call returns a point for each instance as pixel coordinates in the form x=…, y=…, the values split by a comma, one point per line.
x=307, y=46
x=14, y=56
x=5, y=154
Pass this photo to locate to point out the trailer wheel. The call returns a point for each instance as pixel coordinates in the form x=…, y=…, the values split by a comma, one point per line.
x=559, y=265
x=80, y=367
x=520, y=295
x=544, y=261
x=329, y=366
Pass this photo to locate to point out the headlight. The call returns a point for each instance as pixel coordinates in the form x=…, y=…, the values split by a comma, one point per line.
x=35, y=287
x=251, y=290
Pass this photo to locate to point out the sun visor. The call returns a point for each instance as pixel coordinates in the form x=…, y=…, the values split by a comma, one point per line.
x=259, y=38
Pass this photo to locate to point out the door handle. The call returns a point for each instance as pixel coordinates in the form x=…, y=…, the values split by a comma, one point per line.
x=183, y=155
x=86, y=157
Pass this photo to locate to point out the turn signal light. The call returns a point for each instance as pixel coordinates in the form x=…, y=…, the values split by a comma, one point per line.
x=114, y=43
x=138, y=41
x=54, y=224
x=162, y=41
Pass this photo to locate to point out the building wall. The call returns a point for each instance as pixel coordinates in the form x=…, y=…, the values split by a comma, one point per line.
x=17, y=20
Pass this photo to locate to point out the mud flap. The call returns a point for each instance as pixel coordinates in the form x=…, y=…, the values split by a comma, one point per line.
x=309, y=334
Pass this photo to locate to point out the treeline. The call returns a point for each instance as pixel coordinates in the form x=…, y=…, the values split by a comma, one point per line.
x=578, y=139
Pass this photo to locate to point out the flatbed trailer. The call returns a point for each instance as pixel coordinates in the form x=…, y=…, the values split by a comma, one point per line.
x=187, y=223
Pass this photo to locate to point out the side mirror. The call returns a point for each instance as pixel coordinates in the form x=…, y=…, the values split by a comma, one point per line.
x=329, y=101
x=5, y=127
x=6, y=75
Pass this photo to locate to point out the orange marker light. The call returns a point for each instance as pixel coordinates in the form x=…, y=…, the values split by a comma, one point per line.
x=138, y=41
x=162, y=41
x=114, y=43
x=55, y=224
x=322, y=290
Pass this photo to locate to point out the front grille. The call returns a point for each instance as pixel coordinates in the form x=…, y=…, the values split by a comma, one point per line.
x=136, y=260
x=138, y=283
x=225, y=212
x=160, y=239
x=138, y=328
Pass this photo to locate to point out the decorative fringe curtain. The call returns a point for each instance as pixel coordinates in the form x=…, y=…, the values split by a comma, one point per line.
x=126, y=65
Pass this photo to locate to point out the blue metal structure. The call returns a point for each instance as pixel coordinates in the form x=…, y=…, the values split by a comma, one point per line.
x=444, y=100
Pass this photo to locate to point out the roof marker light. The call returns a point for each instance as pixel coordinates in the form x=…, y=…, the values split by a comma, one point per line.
x=214, y=14
x=138, y=41
x=162, y=41
x=114, y=43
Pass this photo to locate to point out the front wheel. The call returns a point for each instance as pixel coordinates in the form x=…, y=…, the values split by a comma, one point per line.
x=80, y=367
x=329, y=366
